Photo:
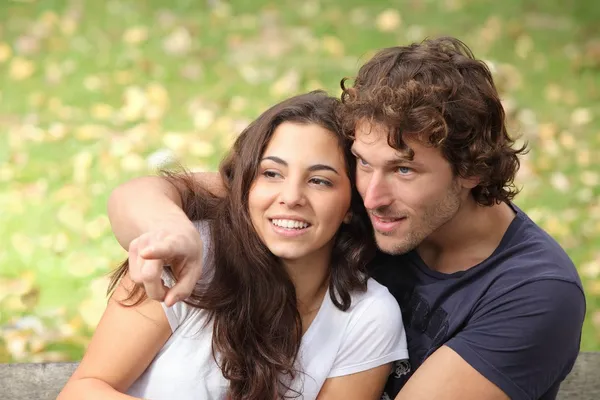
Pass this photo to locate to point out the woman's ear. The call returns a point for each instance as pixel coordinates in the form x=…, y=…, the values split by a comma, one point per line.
x=348, y=217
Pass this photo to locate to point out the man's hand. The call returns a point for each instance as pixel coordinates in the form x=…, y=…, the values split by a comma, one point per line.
x=181, y=248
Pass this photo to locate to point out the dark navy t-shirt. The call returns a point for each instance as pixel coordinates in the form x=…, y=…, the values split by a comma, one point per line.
x=516, y=317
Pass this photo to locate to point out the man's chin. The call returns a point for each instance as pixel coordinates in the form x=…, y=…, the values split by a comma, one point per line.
x=391, y=245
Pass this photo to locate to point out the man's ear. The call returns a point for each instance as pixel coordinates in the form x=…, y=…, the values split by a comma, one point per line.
x=470, y=183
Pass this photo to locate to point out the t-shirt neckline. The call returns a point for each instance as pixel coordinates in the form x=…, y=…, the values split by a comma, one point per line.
x=514, y=225
x=310, y=332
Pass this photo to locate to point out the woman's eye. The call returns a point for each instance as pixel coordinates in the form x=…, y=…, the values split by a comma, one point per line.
x=270, y=174
x=321, y=182
x=362, y=162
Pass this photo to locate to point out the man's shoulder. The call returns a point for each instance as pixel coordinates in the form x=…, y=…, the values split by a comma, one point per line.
x=525, y=254
x=529, y=253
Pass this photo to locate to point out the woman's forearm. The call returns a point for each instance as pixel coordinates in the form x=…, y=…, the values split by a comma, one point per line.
x=91, y=389
x=144, y=204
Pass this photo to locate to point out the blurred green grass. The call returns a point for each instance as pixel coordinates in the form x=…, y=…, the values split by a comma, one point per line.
x=92, y=93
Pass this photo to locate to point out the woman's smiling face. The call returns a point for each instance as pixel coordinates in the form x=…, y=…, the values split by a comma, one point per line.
x=301, y=193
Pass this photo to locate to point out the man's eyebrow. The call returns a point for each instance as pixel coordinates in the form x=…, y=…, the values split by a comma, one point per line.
x=312, y=168
x=401, y=159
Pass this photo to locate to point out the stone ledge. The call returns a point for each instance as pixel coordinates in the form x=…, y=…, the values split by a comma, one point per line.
x=44, y=381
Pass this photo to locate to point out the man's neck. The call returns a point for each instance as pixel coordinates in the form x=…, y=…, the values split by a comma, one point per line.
x=469, y=238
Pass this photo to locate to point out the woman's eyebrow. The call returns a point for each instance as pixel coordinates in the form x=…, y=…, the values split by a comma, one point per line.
x=312, y=168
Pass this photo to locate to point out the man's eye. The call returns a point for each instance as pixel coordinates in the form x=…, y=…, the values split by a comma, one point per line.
x=404, y=170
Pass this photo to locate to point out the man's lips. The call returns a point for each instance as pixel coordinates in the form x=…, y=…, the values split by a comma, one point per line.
x=386, y=224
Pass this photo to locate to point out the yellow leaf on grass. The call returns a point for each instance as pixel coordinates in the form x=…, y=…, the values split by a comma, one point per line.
x=560, y=182
x=333, y=46
x=135, y=35
x=238, y=103
x=92, y=308
x=547, y=131
x=203, y=118
x=593, y=288
x=71, y=217
x=591, y=269
x=388, y=21
x=102, y=111
x=97, y=227
x=49, y=18
x=286, y=84
x=21, y=68
x=179, y=42
x=132, y=162
x=158, y=101
x=157, y=94
x=23, y=245
x=16, y=343
x=6, y=173
x=81, y=166
x=567, y=140
x=453, y=5
x=68, y=26
x=36, y=99
x=120, y=146
x=523, y=46
x=90, y=132
x=553, y=93
x=583, y=157
x=92, y=83
x=175, y=141
x=581, y=116
x=5, y=52
x=79, y=264
x=556, y=227
x=202, y=149
x=590, y=178
x=135, y=103
x=123, y=77
x=60, y=242
x=53, y=73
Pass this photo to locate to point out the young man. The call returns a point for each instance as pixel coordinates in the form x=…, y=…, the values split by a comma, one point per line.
x=492, y=305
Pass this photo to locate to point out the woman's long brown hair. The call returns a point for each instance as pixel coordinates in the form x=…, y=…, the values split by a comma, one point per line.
x=250, y=298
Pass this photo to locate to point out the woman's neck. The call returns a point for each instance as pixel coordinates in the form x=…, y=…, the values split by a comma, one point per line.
x=310, y=276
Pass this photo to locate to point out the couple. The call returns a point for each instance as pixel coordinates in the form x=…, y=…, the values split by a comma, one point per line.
x=272, y=297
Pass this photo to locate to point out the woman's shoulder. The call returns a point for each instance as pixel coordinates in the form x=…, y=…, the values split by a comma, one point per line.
x=375, y=292
x=376, y=300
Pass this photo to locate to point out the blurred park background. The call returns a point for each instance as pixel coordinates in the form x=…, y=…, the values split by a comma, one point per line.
x=96, y=92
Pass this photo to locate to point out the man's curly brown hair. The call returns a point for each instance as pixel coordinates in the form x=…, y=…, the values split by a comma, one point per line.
x=438, y=92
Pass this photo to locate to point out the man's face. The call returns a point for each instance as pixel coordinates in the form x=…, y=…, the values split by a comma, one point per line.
x=407, y=200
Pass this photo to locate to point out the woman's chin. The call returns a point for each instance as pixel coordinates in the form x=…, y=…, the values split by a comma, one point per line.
x=287, y=253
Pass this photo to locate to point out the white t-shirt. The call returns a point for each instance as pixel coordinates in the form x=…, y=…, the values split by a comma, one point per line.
x=337, y=343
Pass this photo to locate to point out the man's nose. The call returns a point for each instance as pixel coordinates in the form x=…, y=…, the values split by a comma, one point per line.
x=378, y=193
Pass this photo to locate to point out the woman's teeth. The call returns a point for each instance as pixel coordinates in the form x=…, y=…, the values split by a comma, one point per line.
x=289, y=223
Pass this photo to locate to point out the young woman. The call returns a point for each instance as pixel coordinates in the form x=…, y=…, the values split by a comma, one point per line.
x=283, y=308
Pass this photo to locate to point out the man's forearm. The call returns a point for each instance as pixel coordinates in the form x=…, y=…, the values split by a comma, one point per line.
x=144, y=204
